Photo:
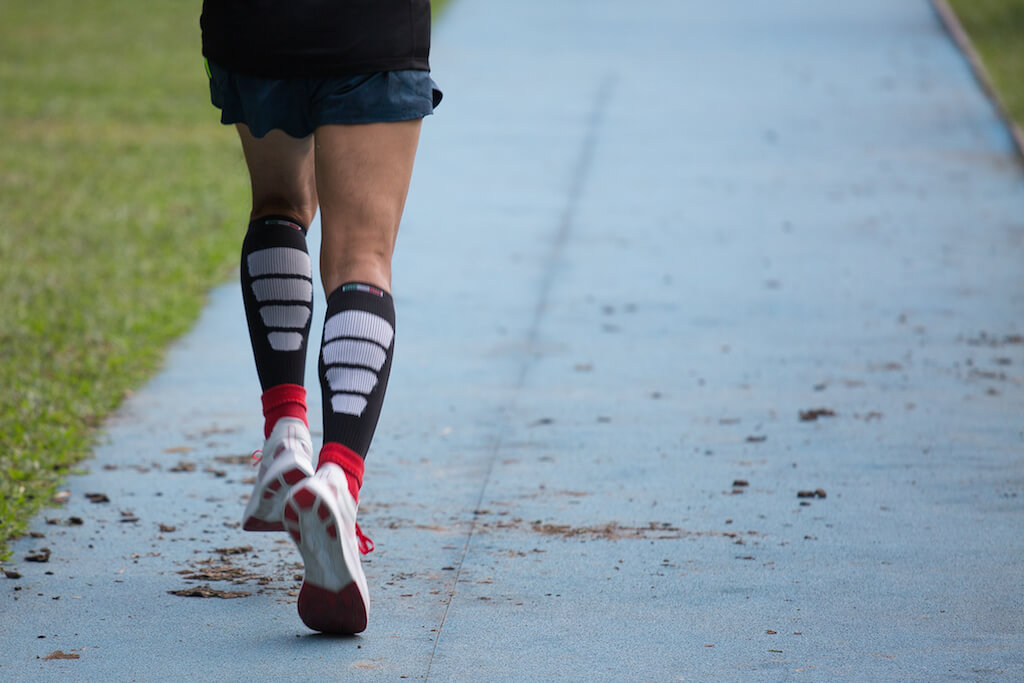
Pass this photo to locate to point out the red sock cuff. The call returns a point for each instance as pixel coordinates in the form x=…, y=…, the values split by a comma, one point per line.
x=283, y=400
x=346, y=459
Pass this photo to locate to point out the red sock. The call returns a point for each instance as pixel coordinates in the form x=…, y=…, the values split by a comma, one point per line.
x=283, y=400
x=346, y=459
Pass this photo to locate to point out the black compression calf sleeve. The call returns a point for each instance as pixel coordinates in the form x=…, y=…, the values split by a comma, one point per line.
x=277, y=291
x=355, y=362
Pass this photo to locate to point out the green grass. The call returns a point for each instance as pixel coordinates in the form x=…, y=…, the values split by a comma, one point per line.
x=121, y=201
x=996, y=28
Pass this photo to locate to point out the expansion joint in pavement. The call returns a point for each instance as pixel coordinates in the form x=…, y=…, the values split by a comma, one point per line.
x=549, y=273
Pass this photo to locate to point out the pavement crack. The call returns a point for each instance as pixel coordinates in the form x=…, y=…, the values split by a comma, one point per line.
x=578, y=180
x=550, y=267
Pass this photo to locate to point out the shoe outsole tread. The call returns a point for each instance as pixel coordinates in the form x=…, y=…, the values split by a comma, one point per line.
x=340, y=612
x=313, y=522
x=290, y=464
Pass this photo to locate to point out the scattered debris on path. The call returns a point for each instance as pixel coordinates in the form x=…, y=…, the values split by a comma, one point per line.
x=222, y=572
x=60, y=654
x=613, y=531
x=205, y=591
x=41, y=555
x=814, y=413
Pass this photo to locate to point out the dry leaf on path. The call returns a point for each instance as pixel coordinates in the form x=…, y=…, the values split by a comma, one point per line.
x=59, y=654
x=205, y=591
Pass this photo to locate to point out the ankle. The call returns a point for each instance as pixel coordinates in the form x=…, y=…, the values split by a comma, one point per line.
x=348, y=460
x=283, y=400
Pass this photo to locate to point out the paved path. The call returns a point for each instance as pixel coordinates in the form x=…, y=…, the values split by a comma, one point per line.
x=643, y=237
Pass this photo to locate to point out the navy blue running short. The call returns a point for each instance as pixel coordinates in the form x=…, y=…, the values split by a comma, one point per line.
x=298, y=106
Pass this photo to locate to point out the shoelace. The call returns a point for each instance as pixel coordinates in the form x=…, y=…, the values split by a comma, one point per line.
x=257, y=456
x=365, y=542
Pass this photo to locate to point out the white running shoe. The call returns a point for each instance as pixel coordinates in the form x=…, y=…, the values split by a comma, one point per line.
x=287, y=459
x=320, y=515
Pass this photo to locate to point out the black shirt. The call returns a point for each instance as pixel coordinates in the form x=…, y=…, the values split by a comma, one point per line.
x=286, y=38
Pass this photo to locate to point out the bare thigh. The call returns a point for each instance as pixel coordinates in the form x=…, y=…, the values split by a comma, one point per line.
x=362, y=180
x=283, y=174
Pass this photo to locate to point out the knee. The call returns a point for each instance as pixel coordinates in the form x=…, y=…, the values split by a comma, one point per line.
x=302, y=211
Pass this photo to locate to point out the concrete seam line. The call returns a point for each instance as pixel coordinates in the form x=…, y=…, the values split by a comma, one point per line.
x=577, y=181
x=956, y=31
x=550, y=266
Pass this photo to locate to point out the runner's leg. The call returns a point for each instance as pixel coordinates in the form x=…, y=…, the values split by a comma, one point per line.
x=363, y=174
x=277, y=292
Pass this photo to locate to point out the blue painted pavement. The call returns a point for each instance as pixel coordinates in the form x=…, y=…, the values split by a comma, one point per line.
x=666, y=266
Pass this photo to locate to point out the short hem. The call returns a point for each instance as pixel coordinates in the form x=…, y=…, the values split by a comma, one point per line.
x=261, y=132
x=298, y=106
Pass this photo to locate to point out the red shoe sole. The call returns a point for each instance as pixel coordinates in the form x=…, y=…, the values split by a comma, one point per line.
x=341, y=613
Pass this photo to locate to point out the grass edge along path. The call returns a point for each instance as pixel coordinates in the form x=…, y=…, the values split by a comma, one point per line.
x=122, y=203
x=991, y=35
